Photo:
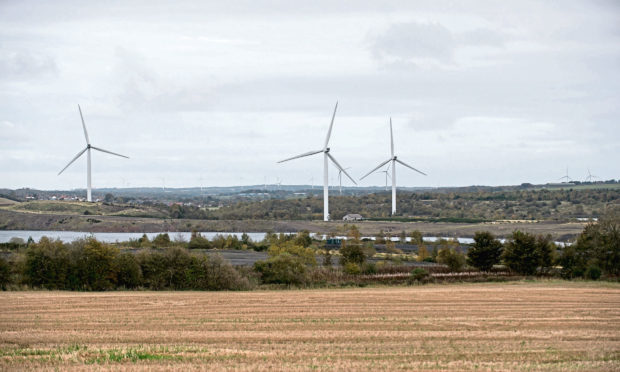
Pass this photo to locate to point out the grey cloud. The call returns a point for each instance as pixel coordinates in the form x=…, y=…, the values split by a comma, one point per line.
x=26, y=65
x=406, y=41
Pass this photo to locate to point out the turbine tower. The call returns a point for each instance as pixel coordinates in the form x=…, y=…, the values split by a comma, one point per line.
x=87, y=150
x=394, y=159
x=326, y=157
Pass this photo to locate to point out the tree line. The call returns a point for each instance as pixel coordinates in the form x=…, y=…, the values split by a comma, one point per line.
x=295, y=259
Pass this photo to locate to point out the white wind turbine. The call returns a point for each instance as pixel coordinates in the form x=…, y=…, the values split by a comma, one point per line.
x=340, y=177
x=394, y=160
x=87, y=150
x=326, y=156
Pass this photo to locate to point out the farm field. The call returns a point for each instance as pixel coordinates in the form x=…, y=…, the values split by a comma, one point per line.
x=514, y=326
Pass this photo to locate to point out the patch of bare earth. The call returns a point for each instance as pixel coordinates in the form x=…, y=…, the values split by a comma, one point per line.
x=538, y=326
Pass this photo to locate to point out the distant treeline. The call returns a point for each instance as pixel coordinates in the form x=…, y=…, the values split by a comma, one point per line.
x=542, y=204
x=300, y=260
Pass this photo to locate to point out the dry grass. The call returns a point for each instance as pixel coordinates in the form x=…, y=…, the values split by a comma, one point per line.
x=525, y=326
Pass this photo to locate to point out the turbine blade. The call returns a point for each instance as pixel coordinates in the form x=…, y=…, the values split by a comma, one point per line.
x=409, y=166
x=340, y=167
x=331, y=125
x=302, y=155
x=109, y=152
x=391, y=138
x=84, y=126
x=74, y=159
x=378, y=166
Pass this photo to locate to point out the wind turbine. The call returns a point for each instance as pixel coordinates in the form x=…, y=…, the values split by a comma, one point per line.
x=340, y=177
x=387, y=174
x=394, y=160
x=326, y=156
x=568, y=179
x=591, y=176
x=87, y=150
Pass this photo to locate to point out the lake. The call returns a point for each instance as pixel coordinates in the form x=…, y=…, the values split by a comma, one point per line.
x=68, y=236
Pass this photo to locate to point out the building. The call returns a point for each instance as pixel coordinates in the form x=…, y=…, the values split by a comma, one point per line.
x=353, y=217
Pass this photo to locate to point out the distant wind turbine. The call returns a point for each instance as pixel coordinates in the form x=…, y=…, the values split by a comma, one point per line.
x=567, y=178
x=387, y=174
x=393, y=161
x=326, y=156
x=87, y=150
x=591, y=176
x=340, y=177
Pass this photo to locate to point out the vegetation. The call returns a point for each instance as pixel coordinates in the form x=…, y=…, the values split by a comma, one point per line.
x=485, y=252
x=468, y=205
x=90, y=265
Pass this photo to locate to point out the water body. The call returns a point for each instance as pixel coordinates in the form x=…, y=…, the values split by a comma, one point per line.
x=69, y=236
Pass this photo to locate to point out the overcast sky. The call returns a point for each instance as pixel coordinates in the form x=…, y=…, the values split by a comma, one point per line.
x=215, y=93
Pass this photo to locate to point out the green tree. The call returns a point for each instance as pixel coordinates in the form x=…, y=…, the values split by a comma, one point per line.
x=96, y=265
x=452, y=258
x=129, y=274
x=47, y=264
x=521, y=253
x=485, y=252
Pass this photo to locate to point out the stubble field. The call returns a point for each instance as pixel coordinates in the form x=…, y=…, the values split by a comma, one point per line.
x=518, y=326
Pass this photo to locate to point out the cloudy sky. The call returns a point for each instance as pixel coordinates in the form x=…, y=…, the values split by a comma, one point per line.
x=215, y=93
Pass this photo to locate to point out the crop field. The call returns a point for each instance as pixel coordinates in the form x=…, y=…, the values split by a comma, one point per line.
x=515, y=326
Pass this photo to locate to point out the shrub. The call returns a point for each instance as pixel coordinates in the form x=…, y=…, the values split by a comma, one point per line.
x=352, y=268
x=352, y=253
x=5, y=274
x=162, y=240
x=450, y=257
x=129, y=274
x=418, y=274
x=593, y=273
x=284, y=268
x=369, y=268
x=214, y=273
x=199, y=242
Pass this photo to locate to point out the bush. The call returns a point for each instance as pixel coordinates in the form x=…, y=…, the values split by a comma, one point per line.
x=593, y=273
x=352, y=268
x=162, y=240
x=5, y=274
x=284, y=268
x=419, y=274
x=199, y=242
x=450, y=257
x=214, y=273
x=352, y=253
x=129, y=274
x=369, y=268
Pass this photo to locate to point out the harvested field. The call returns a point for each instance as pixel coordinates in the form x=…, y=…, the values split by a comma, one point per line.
x=515, y=326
